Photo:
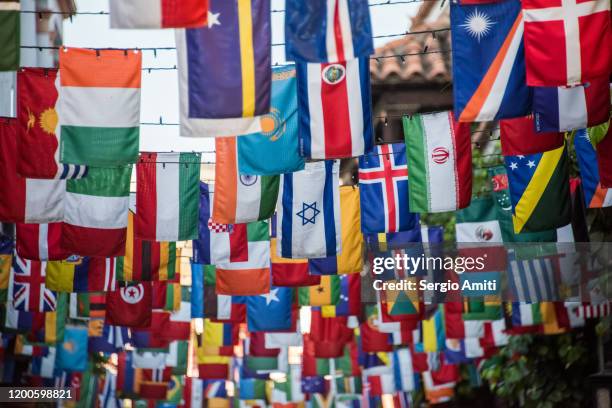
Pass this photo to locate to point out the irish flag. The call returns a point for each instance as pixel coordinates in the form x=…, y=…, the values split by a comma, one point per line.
x=96, y=212
x=439, y=157
x=252, y=276
x=158, y=13
x=167, y=196
x=99, y=101
x=240, y=198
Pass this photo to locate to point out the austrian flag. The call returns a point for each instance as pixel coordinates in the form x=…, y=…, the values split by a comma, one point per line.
x=567, y=42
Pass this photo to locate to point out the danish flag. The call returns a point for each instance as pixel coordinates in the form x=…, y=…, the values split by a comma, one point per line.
x=567, y=42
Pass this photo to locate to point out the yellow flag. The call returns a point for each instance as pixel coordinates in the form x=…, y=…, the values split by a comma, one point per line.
x=350, y=259
x=59, y=276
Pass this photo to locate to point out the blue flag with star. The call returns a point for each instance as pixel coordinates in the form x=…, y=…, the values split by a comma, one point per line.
x=308, y=212
x=539, y=190
x=270, y=312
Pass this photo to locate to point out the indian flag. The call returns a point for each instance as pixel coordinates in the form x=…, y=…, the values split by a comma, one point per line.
x=99, y=100
x=439, y=157
x=167, y=196
x=240, y=198
x=96, y=212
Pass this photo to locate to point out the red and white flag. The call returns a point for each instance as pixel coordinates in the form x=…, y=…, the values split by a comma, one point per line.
x=335, y=109
x=567, y=42
x=130, y=305
x=40, y=242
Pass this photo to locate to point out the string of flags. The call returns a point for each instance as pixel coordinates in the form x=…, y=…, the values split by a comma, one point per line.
x=276, y=305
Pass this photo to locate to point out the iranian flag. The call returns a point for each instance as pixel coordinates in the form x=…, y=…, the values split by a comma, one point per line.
x=158, y=13
x=240, y=198
x=96, y=212
x=99, y=101
x=439, y=157
x=251, y=276
x=167, y=196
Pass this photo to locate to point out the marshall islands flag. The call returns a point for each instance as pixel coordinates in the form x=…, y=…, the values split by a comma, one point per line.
x=489, y=62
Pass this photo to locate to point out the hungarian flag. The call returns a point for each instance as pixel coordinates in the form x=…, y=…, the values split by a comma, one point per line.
x=130, y=306
x=439, y=151
x=146, y=260
x=158, y=13
x=40, y=242
x=327, y=30
x=519, y=137
x=38, y=143
x=335, y=108
x=9, y=35
x=240, y=198
x=567, y=42
x=25, y=200
x=560, y=109
x=246, y=270
x=167, y=196
x=106, y=136
x=96, y=212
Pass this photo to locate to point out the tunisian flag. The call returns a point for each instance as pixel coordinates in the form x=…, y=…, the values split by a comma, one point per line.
x=567, y=42
x=130, y=306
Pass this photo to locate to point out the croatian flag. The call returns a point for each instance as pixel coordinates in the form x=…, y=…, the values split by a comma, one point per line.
x=561, y=109
x=335, y=109
x=327, y=30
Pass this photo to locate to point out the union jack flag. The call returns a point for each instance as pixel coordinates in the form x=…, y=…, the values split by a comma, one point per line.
x=383, y=189
x=29, y=291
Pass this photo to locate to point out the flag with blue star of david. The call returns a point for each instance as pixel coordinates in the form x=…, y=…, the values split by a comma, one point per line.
x=308, y=211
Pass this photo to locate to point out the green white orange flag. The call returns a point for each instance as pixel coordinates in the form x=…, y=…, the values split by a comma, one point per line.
x=99, y=101
x=439, y=154
x=167, y=196
x=240, y=198
x=96, y=212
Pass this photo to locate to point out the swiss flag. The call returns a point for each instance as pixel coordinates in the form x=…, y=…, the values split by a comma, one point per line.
x=130, y=306
x=567, y=42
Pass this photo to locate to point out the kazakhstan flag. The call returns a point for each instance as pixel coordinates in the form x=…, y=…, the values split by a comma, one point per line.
x=275, y=149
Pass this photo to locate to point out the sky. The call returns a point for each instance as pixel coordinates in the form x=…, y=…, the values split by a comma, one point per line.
x=159, y=94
